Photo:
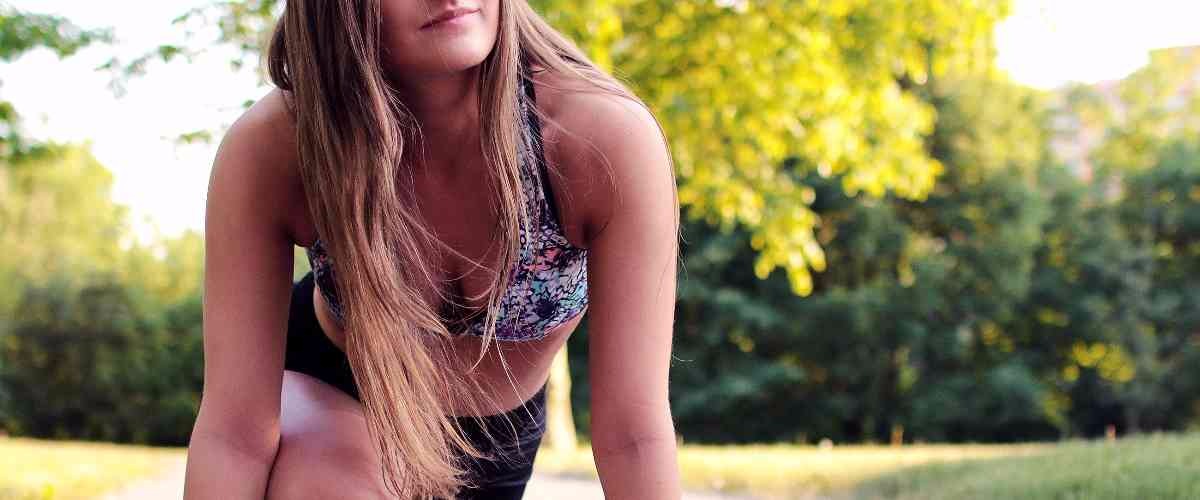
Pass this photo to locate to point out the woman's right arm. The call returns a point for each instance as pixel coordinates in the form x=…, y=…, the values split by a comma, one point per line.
x=247, y=291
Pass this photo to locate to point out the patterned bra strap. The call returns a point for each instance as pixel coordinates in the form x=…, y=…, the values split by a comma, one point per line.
x=535, y=130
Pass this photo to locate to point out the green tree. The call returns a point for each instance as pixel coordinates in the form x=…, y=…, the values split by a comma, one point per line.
x=99, y=336
x=1160, y=211
x=44, y=208
x=907, y=332
x=1134, y=373
x=102, y=360
x=56, y=217
x=1151, y=107
x=743, y=86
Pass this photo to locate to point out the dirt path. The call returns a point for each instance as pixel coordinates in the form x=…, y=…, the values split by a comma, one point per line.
x=169, y=485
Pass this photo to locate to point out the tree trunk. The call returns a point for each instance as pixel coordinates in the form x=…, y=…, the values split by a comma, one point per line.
x=560, y=424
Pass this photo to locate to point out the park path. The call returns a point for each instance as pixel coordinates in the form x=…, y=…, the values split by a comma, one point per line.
x=169, y=485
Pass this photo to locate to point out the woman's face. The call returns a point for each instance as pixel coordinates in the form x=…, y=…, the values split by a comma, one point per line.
x=417, y=45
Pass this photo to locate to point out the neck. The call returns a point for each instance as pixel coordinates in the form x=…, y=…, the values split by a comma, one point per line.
x=447, y=109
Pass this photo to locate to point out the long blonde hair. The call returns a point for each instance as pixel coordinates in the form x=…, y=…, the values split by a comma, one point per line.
x=356, y=144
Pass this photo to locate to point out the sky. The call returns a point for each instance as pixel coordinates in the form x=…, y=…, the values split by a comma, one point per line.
x=1044, y=43
x=163, y=183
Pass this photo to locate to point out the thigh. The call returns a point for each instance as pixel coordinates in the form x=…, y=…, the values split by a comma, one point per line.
x=324, y=450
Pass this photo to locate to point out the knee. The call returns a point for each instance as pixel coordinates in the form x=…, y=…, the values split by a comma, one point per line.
x=312, y=466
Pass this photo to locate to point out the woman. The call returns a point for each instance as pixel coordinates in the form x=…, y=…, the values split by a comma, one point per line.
x=467, y=184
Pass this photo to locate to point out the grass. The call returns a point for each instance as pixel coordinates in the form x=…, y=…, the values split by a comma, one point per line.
x=789, y=470
x=43, y=470
x=1154, y=466
x=1150, y=466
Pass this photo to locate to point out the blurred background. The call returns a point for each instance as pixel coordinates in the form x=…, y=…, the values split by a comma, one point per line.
x=933, y=248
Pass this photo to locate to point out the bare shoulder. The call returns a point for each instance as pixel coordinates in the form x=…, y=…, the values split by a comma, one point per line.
x=610, y=122
x=257, y=159
x=609, y=148
x=265, y=133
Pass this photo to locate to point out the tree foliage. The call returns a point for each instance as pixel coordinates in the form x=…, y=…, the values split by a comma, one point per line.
x=57, y=217
x=755, y=95
x=99, y=335
x=21, y=32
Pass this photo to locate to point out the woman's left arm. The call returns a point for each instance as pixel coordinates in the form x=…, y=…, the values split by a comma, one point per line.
x=632, y=254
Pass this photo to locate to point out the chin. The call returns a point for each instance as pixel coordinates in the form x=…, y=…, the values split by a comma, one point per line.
x=452, y=57
x=449, y=48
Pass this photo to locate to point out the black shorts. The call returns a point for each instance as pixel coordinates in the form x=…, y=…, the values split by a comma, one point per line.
x=310, y=351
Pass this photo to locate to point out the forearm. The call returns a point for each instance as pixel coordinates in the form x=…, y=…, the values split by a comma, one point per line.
x=639, y=466
x=220, y=469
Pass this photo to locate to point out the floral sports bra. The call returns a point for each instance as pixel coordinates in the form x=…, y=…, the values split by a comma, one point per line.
x=548, y=284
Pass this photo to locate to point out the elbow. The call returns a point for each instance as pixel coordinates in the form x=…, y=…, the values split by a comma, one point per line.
x=619, y=433
x=228, y=462
x=245, y=438
x=632, y=442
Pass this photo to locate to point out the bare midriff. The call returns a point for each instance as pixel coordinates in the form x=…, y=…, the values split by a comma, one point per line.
x=528, y=361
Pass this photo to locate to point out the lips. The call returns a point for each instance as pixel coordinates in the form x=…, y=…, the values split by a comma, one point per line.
x=447, y=15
